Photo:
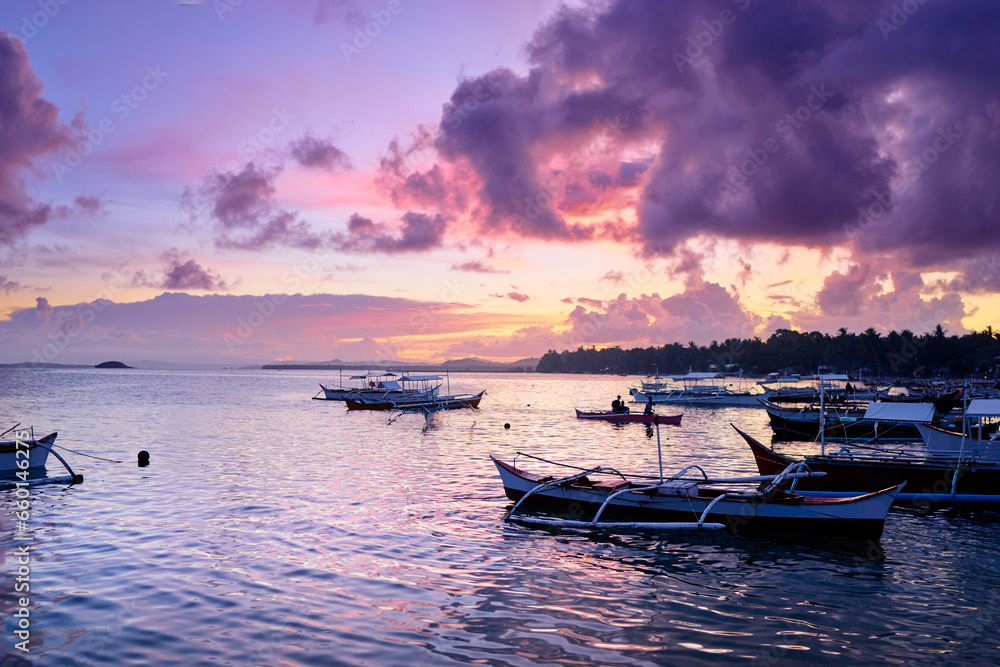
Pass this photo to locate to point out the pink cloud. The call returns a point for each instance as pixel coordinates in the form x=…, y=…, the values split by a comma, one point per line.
x=477, y=266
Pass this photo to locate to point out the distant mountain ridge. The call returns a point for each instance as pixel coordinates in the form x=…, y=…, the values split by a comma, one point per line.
x=468, y=364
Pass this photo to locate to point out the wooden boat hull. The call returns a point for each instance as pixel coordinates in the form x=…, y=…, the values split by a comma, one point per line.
x=673, y=420
x=432, y=403
x=37, y=454
x=926, y=478
x=860, y=517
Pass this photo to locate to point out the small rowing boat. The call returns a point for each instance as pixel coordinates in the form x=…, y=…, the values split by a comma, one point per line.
x=642, y=418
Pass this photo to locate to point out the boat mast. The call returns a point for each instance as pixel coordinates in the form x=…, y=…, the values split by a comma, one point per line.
x=659, y=450
x=965, y=427
x=822, y=418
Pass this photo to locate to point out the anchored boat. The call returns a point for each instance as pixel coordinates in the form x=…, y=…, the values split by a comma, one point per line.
x=697, y=503
x=375, y=384
x=694, y=502
x=674, y=420
x=22, y=460
x=419, y=392
x=930, y=479
x=709, y=389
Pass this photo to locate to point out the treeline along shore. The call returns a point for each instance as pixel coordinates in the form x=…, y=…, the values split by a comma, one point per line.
x=897, y=354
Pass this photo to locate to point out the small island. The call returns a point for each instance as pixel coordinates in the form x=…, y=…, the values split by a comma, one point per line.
x=112, y=364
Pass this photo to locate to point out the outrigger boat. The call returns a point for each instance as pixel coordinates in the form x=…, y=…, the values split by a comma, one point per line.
x=859, y=468
x=708, y=389
x=700, y=503
x=975, y=441
x=14, y=453
x=690, y=503
x=373, y=384
x=881, y=422
x=837, y=388
x=420, y=392
x=674, y=420
x=431, y=403
x=22, y=460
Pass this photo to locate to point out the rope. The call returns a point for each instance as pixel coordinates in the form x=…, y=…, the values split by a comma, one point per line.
x=89, y=456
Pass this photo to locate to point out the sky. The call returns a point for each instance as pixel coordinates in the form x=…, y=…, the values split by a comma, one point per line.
x=233, y=182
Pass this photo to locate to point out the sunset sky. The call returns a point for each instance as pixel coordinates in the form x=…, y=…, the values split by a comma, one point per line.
x=235, y=182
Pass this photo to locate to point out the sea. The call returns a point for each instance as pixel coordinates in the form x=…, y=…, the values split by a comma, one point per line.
x=272, y=529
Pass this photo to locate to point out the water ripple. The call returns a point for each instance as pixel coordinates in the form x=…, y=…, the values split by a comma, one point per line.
x=271, y=529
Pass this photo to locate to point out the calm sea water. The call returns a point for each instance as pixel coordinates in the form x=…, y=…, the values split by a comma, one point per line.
x=271, y=529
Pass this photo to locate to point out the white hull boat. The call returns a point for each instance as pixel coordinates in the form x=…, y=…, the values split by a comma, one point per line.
x=24, y=454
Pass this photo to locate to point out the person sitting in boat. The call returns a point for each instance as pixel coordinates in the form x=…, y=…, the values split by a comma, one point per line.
x=649, y=406
x=618, y=405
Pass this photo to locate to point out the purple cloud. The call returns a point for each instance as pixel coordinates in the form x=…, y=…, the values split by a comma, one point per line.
x=417, y=232
x=513, y=296
x=7, y=286
x=189, y=275
x=29, y=129
x=247, y=218
x=612, y=276
x=178, y=273
x=799, y=123
x=315, y=153
x=844, y=293
x=43, y=311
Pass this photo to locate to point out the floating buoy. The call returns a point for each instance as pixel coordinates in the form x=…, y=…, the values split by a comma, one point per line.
x=506, y=426
x=143, y=458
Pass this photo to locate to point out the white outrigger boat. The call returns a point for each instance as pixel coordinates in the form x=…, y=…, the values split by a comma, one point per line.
x=978, y=442
x=22, y=460
x=24, y=452
x=708, y=389
x=420, y=392
x=375, y=384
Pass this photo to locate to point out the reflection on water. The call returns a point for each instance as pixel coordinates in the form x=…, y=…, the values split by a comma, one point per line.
x=272, y=529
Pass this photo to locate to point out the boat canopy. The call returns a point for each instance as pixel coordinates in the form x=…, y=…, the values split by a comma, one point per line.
x=373, y=375
x=910, y=412
x=983, y=407
x=696, y=376
x=420, y=378
x=831, y=377
x=390, y=385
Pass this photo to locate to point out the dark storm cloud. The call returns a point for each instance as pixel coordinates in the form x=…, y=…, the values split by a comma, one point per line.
x=874, y=123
